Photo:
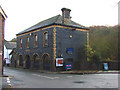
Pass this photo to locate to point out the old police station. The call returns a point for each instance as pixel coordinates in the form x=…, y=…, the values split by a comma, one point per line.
x=52, y=44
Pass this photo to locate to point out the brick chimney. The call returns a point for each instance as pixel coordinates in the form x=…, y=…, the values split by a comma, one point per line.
x=66, y=15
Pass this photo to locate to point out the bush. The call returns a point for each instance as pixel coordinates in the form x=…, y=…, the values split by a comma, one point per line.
x=92, y=55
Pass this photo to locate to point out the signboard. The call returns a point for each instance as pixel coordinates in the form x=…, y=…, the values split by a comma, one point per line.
x=68, y=66
x=59, y=61
x=0, y=52
x=70, y=50
x=7, y=61
x=105, y=66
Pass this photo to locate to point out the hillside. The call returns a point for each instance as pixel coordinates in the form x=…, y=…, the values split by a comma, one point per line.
x=104, y=40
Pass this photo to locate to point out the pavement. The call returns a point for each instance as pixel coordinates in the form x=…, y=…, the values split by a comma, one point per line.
x=90, y=72
x=74, y=71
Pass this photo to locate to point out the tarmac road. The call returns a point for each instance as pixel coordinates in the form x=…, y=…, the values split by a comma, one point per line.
x=23, y=78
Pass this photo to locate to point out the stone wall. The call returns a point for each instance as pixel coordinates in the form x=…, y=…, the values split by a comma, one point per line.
x=1, y=41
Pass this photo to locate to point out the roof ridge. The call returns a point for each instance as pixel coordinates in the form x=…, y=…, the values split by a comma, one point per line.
x=46, y=20
x=42, y=22
x=2, y=12
x=50, y=21
x=52, y=17
x=77, y=23
x=57, y=18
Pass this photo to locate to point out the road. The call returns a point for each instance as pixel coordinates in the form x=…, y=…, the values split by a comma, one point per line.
x=23, y=78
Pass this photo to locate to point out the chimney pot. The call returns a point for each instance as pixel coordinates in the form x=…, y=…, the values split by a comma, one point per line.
x=66, y=15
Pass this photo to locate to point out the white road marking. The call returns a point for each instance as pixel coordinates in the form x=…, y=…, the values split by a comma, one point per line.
x=45, y=76
x=9, y=84
x=36, y=75
x=69, y=76
x=8, y=79
x=106, y=74
x=56, y=77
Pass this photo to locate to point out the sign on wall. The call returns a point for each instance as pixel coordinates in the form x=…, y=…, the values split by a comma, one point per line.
x=7, y=61
x=59, y=62
x=0, y=53
x=68, y=66
x=70, y=50
x=105, y=66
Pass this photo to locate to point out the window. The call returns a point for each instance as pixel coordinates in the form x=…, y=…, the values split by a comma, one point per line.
x=35, y=40
x=45, y=38
x=27, y=42
x=20, y=45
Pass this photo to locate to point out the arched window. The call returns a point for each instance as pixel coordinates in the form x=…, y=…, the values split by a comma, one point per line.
x=45, y=37
x=36, y=61
x=27, y=42
x=35, y=40
x=46, y=61
x=20, y=60
x=20, y=44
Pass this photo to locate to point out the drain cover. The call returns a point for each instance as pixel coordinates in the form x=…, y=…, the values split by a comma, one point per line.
x=79, y=82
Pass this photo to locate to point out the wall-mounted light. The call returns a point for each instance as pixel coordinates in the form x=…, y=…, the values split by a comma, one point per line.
x=31, y=34
x=70, y=36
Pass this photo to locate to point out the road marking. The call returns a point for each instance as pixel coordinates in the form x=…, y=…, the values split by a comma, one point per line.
x=36, y=75
x=56, y=77
x=8, y=80
x=106, y=74
x=45, y=76
x=9, y=84
x=69, y=76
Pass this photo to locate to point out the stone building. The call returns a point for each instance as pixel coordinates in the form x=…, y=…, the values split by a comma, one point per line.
x=57, y=38
x=8, y=48
x=2, y=22
x=13, y=56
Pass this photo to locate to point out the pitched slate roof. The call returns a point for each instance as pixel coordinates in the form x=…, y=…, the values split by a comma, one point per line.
x=2, y=12
x=56, y=20
x=13, y=51
x=9, y=45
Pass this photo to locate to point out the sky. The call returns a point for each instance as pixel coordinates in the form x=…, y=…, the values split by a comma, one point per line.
x=23, y=14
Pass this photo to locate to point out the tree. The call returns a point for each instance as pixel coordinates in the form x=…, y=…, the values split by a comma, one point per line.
x=104, y=40
x=92, y=55
x=14, y=40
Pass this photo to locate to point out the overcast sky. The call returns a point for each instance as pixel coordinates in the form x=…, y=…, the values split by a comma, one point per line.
x=24, y=13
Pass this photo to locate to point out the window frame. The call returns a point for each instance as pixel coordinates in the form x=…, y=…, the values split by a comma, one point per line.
x=27, y=41
x=20, y=44
x=35, y=40
x=45, y=41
